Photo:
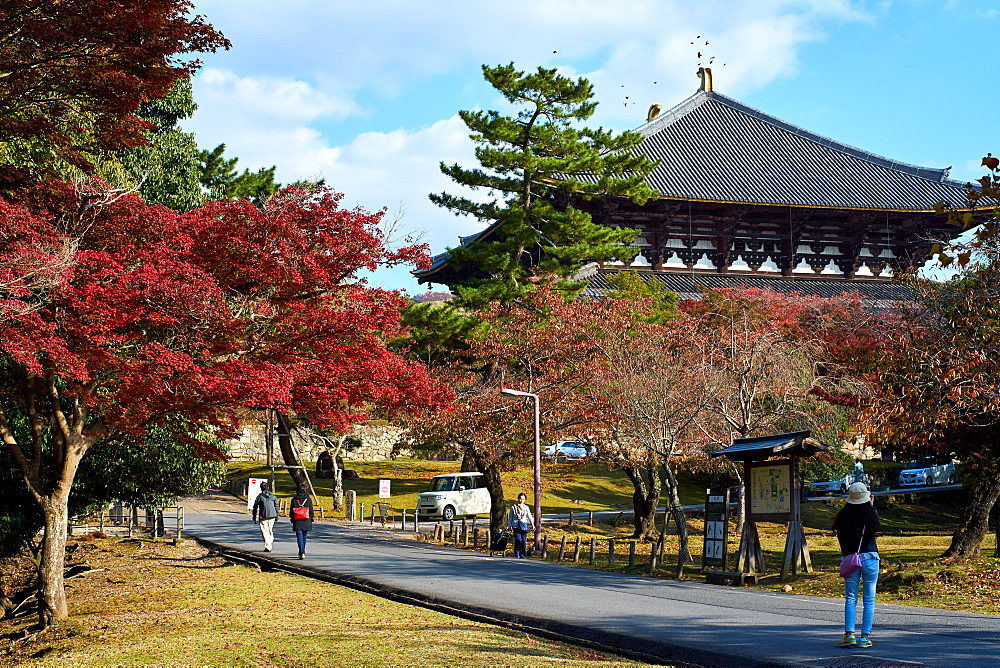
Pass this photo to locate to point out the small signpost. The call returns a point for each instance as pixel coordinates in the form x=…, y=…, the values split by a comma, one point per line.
x=253, y=491
x=384, y=489
x=716, y=552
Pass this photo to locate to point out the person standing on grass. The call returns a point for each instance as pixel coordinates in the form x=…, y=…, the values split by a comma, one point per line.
x=520, y=523
x=856, y=525
x=301, y=513
x=266, y=508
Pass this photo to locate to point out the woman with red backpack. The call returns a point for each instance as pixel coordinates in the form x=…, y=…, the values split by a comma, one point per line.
x=301, y=514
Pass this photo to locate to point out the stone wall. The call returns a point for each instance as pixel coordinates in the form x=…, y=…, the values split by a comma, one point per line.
x=377, y=443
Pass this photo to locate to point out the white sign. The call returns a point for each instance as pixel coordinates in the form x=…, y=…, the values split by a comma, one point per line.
x=383, y=489
x=253, y=491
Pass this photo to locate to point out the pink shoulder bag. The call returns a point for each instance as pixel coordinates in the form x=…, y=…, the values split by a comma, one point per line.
x=852, y=562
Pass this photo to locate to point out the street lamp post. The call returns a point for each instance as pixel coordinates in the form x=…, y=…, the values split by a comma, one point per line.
x=538, y=465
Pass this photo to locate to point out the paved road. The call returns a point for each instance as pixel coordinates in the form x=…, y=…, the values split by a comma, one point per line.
x=657, y=621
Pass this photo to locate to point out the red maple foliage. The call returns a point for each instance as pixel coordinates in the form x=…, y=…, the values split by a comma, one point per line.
x=75, y=73
x=160, y=314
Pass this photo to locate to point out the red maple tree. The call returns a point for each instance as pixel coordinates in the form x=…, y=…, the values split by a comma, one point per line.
x=74, y=73
x=159, y=315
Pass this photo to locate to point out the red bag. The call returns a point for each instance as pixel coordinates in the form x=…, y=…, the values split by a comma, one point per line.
x=300, y=512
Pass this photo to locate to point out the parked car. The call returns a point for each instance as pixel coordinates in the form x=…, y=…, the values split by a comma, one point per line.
x=452, y=494
x=928, y=471
x=568, y=450
x=831, y=486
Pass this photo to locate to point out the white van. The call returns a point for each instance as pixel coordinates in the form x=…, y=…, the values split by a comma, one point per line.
x=454, y=494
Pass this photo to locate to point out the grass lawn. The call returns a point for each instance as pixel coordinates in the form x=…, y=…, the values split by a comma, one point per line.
x=152, y=603
x=566, y=486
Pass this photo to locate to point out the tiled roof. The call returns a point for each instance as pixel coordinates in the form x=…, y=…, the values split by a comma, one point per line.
x=876, y=293
x=761, y=447
x=714, y=148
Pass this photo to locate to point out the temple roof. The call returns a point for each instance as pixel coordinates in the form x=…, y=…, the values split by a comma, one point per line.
x=713, y=148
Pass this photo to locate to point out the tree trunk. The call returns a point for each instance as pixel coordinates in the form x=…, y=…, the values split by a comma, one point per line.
x=973, y=524
x=338, y=487
x=52, y=607
x=287, y=454
x=468, y=464
x=645, y=499
x=498, y=505
x=674, y=500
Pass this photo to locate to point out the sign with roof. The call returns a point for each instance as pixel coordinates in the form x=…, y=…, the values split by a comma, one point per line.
x=773, y=490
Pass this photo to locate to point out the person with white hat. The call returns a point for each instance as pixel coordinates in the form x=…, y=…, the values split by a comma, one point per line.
x=856, y=525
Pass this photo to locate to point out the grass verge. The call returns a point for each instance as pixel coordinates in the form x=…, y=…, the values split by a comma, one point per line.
x=152, y=603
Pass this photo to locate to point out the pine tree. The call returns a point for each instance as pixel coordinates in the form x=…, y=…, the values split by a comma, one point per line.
x=533, y=164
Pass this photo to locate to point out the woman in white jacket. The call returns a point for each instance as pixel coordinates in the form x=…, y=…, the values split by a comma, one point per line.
x=520, y=522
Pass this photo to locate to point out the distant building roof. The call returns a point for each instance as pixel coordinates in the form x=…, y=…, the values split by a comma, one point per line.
x=713, y=148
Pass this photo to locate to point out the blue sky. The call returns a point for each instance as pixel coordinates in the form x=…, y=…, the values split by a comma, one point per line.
x=366, y=95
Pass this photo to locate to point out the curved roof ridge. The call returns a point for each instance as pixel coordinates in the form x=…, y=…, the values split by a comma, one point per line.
x=939, y=175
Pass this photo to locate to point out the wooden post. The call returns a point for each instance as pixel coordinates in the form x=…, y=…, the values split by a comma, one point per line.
x=403, y=522
x=611, y=552
x=465, y=533
x=475, y=538
x=590, y=517
x=351, y=505
x=451, y=529
x=362, y=516
x=593, y=551
x=570, y=518
x=631, y=554
x=576, y=551
x=489, y=542
x=652, y=556
x=562, y=548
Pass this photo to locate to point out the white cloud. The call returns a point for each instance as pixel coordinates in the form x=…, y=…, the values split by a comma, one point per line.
x=303, y=74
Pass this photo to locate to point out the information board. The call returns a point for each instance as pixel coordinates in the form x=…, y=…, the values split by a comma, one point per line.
x=770, y=491
x=716, y=529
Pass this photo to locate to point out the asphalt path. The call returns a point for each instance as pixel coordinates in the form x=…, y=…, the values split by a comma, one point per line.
x=659, y=621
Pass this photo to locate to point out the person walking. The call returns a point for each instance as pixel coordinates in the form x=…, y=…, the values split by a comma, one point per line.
x=301, y=513
x=265, y=507
x=520, y=522
x=856, y=525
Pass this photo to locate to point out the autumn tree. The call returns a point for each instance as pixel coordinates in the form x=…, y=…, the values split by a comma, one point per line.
x=530, y=164
x=767, y=351
x=164, y=320
x=73, y=76
x=936, y=387
x=543, y=347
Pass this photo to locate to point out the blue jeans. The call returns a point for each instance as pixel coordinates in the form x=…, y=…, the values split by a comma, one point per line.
x=520, y=543
x=868, y=577
x=300, y=537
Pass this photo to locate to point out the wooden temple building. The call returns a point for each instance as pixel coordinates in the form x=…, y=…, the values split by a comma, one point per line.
x=748, y=200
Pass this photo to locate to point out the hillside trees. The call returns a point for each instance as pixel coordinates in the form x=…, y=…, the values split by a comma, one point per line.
x=161, y=320
x=74, y=74
x=529, y=165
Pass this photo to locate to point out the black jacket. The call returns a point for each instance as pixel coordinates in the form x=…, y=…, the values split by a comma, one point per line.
x=297, y=500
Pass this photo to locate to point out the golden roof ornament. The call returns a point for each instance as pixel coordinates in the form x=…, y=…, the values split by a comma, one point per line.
x=706, y=78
